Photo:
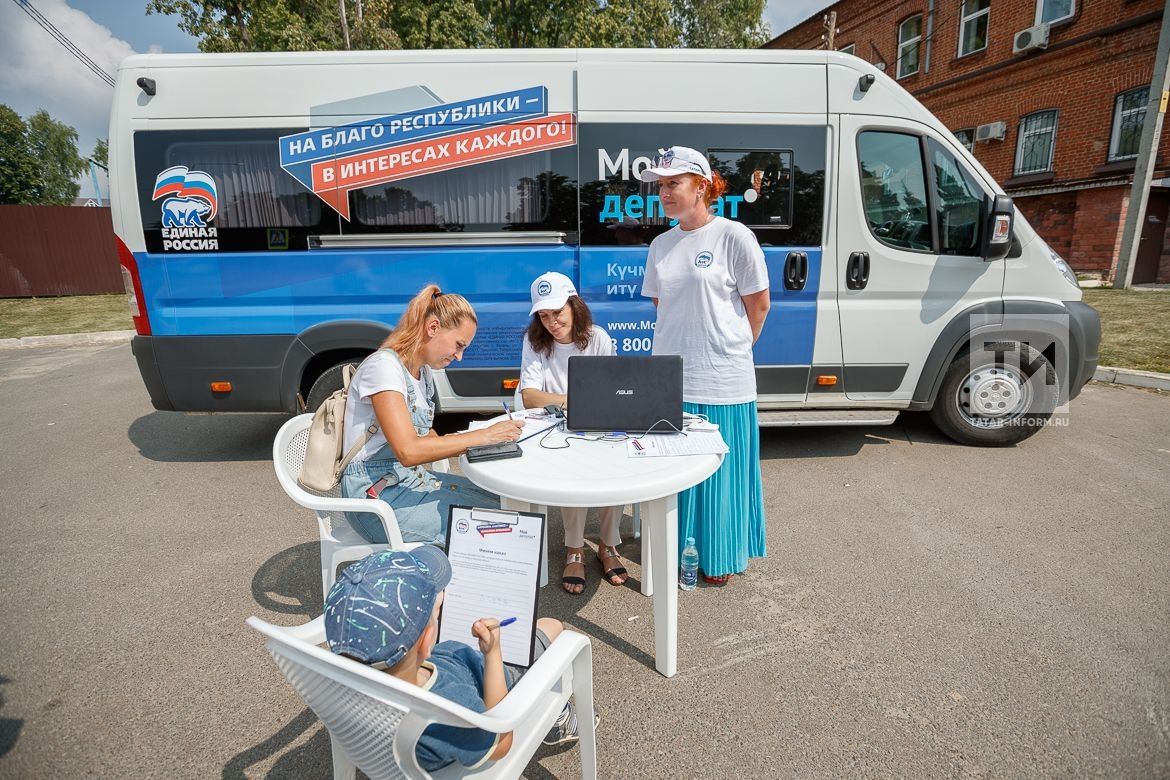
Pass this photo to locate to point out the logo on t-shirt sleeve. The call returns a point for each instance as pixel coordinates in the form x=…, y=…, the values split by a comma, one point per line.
x=703, y=259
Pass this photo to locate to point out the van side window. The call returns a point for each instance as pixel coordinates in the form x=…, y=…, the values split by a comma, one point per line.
x=959, y=207
x=763, y=178
x=253, y=190
x=532, y=191
x=259, y=207
x=775, y=175
x=893, y=189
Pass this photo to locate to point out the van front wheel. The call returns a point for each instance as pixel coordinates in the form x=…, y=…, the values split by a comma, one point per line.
x=997, y=396
x=326, y=385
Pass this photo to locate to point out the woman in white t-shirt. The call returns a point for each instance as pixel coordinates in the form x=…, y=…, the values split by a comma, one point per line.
x=562, y=326
x=708, y=279
x=388, y=416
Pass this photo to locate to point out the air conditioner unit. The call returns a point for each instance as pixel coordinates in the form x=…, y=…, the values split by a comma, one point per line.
x=1031, y=38
x=992, y=131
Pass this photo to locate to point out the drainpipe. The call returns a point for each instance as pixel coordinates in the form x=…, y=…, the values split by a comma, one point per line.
x=929, y=35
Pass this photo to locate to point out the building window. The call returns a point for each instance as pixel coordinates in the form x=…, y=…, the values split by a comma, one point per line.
x=909, y=42
x=1053, y=11
x=1036, y=143
x=966, y=137
x=1129, y=113
x=973, y=17
x=850, y=49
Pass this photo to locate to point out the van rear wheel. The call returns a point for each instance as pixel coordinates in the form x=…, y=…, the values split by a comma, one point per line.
x=996, y=397
x=326, y=385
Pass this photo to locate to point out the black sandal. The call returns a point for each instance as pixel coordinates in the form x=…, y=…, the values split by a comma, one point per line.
x=568, y=581
x=604, y=554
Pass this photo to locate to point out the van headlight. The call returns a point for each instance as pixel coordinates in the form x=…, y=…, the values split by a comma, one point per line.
x=1062, y=266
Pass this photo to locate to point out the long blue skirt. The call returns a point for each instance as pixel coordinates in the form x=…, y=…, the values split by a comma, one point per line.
x=725, y=513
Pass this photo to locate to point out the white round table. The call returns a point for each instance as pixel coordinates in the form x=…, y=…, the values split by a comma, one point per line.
x=598, y=473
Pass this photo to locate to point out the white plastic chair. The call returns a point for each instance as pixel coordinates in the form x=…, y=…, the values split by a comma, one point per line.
x=340, y=543
x=375, y=719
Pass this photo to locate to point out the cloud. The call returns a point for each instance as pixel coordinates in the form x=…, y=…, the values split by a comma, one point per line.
x=36, y=71
x=783, y=15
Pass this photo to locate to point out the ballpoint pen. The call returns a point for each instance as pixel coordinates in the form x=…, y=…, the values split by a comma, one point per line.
x=502, y=623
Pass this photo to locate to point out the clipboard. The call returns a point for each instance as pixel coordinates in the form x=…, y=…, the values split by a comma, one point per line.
x=496, y=557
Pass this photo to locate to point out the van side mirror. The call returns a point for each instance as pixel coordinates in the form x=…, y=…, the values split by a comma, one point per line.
x=997, y=234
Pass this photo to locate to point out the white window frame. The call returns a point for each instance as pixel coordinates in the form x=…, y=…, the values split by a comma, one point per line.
x=1021, y=136
x=1118, y=116
x=970, y=130
x=902, y=45
x=1072, y=11
x=965, y=19
x=850, y=49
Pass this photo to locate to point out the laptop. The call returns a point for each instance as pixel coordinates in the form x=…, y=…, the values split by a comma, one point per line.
x=631, y=394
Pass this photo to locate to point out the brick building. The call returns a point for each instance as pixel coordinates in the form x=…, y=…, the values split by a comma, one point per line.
x=1061, y=123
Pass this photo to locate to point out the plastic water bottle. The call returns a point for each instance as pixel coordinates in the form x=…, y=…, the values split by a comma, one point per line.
x=689, y=576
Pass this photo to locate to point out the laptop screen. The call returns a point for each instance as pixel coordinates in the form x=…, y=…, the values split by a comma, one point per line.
x=621, y=393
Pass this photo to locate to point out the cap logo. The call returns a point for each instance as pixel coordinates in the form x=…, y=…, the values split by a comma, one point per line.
x=703, y=259
x=543, y=289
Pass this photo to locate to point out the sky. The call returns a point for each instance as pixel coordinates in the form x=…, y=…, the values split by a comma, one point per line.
x=37, y=72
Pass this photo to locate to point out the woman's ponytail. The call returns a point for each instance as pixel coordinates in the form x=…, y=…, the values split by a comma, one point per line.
x=715, y=188
x=450, y=309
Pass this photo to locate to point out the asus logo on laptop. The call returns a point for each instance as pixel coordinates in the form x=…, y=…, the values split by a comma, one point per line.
x=624, y=392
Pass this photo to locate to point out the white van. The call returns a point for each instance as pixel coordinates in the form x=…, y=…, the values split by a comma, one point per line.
x=275, y=212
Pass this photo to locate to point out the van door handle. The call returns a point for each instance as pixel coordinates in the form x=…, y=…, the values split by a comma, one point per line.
x=857, y=272
x=795, y=270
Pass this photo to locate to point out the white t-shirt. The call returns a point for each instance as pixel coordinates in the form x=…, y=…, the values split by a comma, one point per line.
x=551, y=374
x=378, y=373
x=699, y=277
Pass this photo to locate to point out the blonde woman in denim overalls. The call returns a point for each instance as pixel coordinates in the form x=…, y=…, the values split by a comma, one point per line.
x=392, y=394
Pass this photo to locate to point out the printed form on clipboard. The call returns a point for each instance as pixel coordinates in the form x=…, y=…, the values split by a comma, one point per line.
x=495, y=573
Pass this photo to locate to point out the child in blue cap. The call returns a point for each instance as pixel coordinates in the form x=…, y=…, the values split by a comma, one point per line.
x=383, y=611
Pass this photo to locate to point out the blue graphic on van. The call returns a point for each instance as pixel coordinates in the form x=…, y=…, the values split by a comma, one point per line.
x=369, y=134
x=193, y=200
x=335, y=161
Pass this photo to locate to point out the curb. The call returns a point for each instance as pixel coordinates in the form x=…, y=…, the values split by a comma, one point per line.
x=69, y=339
x=1132, y=378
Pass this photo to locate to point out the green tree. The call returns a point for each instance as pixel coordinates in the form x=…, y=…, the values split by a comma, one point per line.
x=301, y=25
x=101, y=153
x=38, y=159
x=18, y=168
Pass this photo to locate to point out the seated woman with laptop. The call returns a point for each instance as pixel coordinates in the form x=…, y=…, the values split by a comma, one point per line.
x=388, y=416
x=562, y=326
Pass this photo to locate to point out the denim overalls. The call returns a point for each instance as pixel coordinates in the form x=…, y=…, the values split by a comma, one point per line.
x=420, y=499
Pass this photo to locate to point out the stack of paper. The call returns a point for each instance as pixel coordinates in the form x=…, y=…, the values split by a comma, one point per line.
x=674, y=444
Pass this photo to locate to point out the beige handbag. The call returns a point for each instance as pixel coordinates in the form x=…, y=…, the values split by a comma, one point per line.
x=323, y=464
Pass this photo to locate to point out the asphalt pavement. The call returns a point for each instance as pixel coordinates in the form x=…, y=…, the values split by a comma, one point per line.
x=925, y=609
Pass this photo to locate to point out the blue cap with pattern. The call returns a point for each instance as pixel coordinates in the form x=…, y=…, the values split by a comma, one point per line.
x=380, y=606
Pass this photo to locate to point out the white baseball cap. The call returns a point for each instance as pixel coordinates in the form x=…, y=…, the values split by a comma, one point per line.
x=551, y=290
x=676, y=160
